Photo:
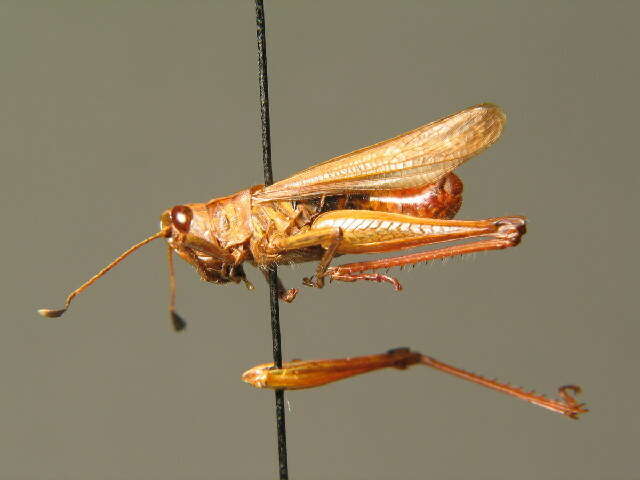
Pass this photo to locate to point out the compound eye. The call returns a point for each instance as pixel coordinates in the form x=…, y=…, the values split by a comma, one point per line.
x=181, y=217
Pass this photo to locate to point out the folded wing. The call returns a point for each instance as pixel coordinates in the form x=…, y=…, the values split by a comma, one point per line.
x=416, y=158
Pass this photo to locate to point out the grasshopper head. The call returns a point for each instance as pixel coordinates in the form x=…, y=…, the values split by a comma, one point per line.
x=189, y=229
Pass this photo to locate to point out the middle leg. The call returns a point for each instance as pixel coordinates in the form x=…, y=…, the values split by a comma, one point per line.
x=329, y=238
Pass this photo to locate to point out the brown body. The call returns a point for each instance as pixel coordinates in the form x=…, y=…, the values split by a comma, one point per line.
x=391, y=196
x=239, y=230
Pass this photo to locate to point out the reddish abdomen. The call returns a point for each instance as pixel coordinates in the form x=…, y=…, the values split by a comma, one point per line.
x=438, y=200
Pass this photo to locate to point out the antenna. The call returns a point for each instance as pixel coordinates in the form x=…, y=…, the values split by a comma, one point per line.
x=46, y=312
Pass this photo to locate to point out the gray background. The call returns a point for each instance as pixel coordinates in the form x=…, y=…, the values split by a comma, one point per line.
x=111, y=112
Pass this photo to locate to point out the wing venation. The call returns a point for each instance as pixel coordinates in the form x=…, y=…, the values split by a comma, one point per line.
x=413, y=159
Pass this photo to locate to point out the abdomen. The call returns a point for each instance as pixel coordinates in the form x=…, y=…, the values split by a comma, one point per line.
x=440, y=200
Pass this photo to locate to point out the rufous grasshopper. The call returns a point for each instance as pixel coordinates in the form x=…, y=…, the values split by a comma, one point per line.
x=394, y=195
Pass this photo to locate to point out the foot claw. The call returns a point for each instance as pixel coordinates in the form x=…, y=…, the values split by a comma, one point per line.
x=573, y=408
x=289, y=295
x=314, y=282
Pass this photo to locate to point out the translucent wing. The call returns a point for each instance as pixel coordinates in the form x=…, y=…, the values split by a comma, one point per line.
x=416, y=158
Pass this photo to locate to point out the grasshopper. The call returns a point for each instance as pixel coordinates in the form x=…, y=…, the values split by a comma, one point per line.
x=395, y=195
